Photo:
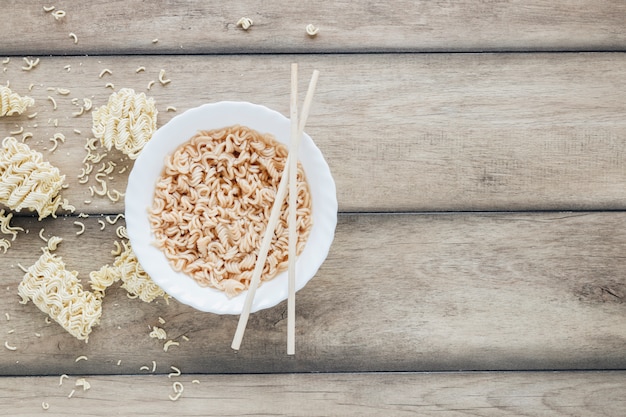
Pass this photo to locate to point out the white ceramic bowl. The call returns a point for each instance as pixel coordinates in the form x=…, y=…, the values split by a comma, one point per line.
x=149, y=165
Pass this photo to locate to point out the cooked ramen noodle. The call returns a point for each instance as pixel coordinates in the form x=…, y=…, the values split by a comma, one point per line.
x=212, y=204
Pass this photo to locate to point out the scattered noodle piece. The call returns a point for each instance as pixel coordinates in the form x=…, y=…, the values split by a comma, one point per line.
x=58, y=293
x=5, y=225
x=110, y=167
x=74, y=37
x=126, y=123
x=178, y=390
x=99, y=178
x=115, y=219
x=8, y=316
x=109, y=85
x=30, y=63
x=176, y=372
x=169, y=343
x=58, y=14
x=53, y=242
x=82, y=382
x=121, y=232
x=61, y=378
x=81, y=358
x=82, y=228
x=114, y=195
x=48, y=8
x=161, y=320
x=55, y=140
x=118, y=248
x=41, y=236
x=104, y=72
x=311, y=30
x=154, y=366
x=27, y=181
x=12, y=103
x=245, y=23
x=45, y=405
x=140, y=69
x=17, y=132
x=144, y=368
x=102, y=225
x=9, y=347
x=63, y=91
x=170, y=108
x=4, y=245
x=158, y=333
x=150, y=84
x=53, y=101
x=162, y=80
x=71, y=394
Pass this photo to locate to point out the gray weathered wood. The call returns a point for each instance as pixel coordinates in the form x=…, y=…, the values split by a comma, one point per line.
x=400, y=132
x=122, y=26
x=399, y=394
x=397, y=293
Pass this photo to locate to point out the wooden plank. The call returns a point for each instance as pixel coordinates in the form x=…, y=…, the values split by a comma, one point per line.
x=130, y=27
x=413, y=132
x=399, y=394
x=414, y=292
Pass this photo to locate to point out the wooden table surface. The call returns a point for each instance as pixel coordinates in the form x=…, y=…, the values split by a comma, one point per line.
x=479, y=153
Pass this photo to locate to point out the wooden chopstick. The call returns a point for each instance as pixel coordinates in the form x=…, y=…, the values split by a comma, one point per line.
x=273, y=220
x=291, y=220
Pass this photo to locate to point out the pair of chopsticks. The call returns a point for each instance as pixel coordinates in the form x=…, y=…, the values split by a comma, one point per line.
x=288, y=178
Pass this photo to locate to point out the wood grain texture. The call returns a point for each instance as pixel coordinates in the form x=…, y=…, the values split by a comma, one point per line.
x=123, y=27
x=489, y=394
x=397, y=293
x=405, y=132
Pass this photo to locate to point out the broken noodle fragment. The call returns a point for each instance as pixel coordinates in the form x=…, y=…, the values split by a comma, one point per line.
x=126, y=268
x=58, y=293
x=12, y=103
x=29, y=182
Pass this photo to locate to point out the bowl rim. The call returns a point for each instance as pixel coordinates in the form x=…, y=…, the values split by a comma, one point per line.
x=139, y=197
